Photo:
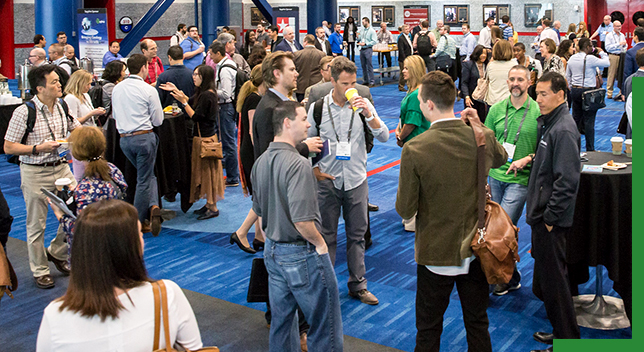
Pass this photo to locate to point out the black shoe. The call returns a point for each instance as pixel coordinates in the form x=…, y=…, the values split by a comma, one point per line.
x=372, y=207
x=503, y=289
x=543, y=337
x=61, y=265
x=235, y=239
x=209, y=214
x=368, y=244
x=232, y=183
x=258, y=245
x=44, y=282
x=201, y=211
x=170, y=198
x=549, y=349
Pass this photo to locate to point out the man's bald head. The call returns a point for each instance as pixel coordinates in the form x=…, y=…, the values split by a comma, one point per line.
x=37, y=56
x=70, y=53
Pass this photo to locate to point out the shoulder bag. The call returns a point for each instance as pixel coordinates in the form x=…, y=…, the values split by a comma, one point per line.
x=8, y=278
x=161, y=302
x=211, y=147
x=495, y=243
x=592, y=100
x=482, y=86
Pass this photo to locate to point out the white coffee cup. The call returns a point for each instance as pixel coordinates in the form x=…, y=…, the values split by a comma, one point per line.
x=62, y=182
x=629, y=147
x=617, y=145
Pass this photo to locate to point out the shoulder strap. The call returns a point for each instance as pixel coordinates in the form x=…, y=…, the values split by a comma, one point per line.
x=31, y=120
x=317, y=113
x=481, y=177
x=166, y=321
x=157, y=316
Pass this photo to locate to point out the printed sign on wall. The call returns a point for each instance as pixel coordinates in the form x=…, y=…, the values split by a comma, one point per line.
x=414, y=14
x=287, y=17
x=92, y=40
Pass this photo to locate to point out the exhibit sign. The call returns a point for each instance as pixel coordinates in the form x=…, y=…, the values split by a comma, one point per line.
x=93, y=41
x=287, y=17
x=414, y=14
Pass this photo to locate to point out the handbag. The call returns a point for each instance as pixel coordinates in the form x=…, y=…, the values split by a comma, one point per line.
x=258, y=285
x=161, y=302
x=592, y=100
x=8, y=278
x=495, y=243
x=482, y=86
x=210, y=147
x=443, y=62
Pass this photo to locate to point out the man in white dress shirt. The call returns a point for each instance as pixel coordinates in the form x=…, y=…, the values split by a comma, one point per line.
x=549, y=32
x=615, y=46
x=485, y=36
x=137, y=109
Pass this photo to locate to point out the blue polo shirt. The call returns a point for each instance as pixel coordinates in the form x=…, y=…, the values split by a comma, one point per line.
x=189, y=45
x=335, y=40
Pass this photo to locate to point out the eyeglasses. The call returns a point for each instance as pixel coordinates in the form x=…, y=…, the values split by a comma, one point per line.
x=195, y=74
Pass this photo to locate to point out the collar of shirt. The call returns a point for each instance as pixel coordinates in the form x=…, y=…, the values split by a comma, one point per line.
x=282, y=146
x=135, y=77
x=282, y=96
x=444, y=120
x=333, y=101
x=510, y=106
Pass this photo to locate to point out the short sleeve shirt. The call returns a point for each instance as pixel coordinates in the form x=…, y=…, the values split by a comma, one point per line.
x=47, y=124
x=411, y=114
x=284, y=192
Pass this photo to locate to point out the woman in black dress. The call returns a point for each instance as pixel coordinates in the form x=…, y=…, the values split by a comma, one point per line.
x=203, y=109
x=350, y=37
x=249, y=97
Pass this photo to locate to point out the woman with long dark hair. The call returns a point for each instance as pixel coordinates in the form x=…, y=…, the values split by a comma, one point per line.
x=109, y=303
x=203, y=109
x=471, y=71
x=257, y=55
x=249, y=41
x=349, y=37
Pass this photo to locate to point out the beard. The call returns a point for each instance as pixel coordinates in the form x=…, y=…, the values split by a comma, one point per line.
x=517, y=92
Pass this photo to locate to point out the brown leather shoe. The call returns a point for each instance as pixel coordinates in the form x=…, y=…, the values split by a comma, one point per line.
x=145, y=227
x=364, y=296
x=155, y=220
x=44, y=282
x=303, y=345
x=61, y=265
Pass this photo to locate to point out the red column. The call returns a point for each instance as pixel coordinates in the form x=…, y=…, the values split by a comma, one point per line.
x=7, y=43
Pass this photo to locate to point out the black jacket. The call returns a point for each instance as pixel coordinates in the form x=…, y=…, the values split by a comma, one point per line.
x=404, y=49
x=263, y=125
x=345, y=35
x=469, y=77
x=554, y=177
x=326, y=44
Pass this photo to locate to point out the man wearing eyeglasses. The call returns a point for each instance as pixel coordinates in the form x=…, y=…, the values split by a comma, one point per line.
x=37, y=56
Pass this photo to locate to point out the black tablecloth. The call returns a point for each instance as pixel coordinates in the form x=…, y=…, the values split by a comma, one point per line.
x=602, y=229
x=173, y=159
x=6, y=111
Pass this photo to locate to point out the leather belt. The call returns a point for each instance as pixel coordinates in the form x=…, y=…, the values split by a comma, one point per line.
x=135, y=133
x=613, y=54
x=580, y=87
x=51, y=163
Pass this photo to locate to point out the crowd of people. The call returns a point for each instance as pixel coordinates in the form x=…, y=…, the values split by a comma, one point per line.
x=270, y=104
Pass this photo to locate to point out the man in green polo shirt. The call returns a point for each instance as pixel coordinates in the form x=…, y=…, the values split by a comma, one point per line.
x=514, y=122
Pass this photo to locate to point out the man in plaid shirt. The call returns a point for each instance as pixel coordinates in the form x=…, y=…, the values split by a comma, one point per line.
x=42, y=162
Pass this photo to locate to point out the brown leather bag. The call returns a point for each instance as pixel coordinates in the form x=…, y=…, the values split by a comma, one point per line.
x=161, y=302
x=8, y=278
x=211, y=148
x=496, y=242
x=482, y=87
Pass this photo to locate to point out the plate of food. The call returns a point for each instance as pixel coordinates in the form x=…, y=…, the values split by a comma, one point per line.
x=611, y=165
x=62, y=142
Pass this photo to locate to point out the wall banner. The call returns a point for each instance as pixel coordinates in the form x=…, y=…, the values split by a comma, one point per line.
x=92, y=40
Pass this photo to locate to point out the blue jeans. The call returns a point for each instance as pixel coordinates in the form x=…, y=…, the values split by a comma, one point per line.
x=367, y=65
x=228, y=141
x=298, y=276
x=141, y=151
x=511, y=197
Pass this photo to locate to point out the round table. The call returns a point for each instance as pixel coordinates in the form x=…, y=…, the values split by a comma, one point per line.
x=602, y=236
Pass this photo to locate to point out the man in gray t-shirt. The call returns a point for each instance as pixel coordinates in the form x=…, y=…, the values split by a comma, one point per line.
x=300, y=272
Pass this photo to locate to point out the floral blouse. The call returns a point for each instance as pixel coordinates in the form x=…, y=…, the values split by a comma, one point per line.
x=555, y=65
x=90, y=190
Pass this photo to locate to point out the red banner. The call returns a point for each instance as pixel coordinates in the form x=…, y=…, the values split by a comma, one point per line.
x=412, y=15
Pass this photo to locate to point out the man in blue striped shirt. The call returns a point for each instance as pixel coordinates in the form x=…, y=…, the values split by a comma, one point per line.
x=508, y=32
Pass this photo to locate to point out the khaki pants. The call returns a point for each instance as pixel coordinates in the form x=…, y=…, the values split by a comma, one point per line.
x=32, y=179
x=612, y=72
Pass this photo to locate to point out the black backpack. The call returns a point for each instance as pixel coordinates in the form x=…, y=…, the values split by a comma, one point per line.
x=31, y=117
x=424, y=44
x=72, y=65
x=317, y=117
x=96, y=95
x=63, y=76
x=240, y=78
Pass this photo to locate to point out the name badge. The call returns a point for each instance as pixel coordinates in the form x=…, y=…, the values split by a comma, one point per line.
x=343, y=151
x=62, y=151
x=509, y=148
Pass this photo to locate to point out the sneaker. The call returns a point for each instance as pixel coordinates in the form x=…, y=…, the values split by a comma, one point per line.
x=232, y=183
x=364, y=296
x=503, y=289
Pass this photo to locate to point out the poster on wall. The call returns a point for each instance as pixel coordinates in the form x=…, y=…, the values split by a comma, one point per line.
x=456, y=14
x=287, y=17
x=535, y=13
x=346, y=11
x=381, y=14
x=414, y=14
x=92, y=40
x=256, y=16
x=496, y=12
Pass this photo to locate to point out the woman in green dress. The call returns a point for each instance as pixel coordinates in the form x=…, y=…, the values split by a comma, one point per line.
x=412, y=122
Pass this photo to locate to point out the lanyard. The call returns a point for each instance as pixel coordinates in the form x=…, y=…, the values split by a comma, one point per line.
x=505, y=132
x=51, y=132
x=353, y=114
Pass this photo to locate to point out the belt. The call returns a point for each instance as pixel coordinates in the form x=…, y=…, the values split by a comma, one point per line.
x=135, y=133
x=613, y=54
x=580, y=87
x=51, y=163
x=229, y=102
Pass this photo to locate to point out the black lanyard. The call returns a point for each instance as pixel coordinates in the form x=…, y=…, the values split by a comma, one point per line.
x=51, y=132
x=353, y=114
x=505, y=132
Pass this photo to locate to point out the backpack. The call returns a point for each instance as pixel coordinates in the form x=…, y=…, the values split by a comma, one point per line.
x=424, y=44
x=96, y=95
x=63, y=77
x=72, y=65
x=317, y=117
x=31, y=117
x=240, y=78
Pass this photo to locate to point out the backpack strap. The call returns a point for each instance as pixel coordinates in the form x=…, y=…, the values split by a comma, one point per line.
x=317, y=113
x=31, y=120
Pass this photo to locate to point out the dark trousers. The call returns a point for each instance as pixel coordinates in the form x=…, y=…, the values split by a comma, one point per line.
x=299, y=96
x=585, y=119
x=387, y=57
x=430, y=63
x=401, y=80
x=432, y=299
x=5, y=221
x=550, y=282
x=351, y=51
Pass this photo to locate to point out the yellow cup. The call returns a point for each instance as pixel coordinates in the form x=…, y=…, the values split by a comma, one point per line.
x=350, y=93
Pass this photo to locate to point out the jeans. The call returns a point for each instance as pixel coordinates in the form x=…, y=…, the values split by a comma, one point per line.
x=299, y=276
x=511, y=197
x=585, y=119
x=141, y=151
x=229, y=145
x=367, y=66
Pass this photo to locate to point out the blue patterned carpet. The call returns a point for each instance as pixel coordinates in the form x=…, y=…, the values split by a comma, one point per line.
x=197, y=255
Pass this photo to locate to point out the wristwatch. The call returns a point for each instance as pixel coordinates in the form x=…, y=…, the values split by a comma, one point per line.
x=33, y=151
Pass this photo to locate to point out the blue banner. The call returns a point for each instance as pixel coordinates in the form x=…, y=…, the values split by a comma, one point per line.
x=93, y=41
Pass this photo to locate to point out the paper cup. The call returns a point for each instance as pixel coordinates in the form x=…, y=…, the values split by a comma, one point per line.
x=62, y=182
x=617, y=145
x=629, y=148
x=350, y=93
